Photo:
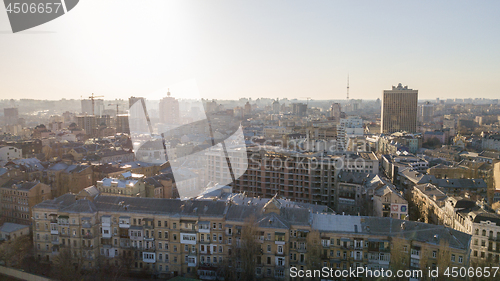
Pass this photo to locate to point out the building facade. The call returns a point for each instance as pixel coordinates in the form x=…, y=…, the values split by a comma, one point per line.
x=399, y=110
x=207, y=238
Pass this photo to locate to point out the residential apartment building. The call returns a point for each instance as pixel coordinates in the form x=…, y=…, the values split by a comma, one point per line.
x=206, y=238
x=18, y=198
x=302, y=177
x=491, y=142
x=8, y=153
x=127, y=184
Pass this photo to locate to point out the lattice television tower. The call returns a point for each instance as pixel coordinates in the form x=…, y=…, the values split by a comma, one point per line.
x=347, y=86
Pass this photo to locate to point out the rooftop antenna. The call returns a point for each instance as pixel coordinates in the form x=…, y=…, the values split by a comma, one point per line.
x=348, y=86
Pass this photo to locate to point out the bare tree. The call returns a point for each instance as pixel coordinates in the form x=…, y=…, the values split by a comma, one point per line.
x=66, y=267
x=226, y=270
x=249, y=249
x=313, y=259
x=123, y=267
x=443, y=258
x=399, y=253
x=14, y=251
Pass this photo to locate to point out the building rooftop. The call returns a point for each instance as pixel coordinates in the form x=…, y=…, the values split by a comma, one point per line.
x=9, y=227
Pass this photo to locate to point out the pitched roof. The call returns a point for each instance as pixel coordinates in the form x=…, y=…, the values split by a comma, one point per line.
x=11, y=227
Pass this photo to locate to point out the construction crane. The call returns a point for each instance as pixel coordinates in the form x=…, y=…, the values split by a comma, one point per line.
x=116, y=107
x=92, y=97
x=307, y=98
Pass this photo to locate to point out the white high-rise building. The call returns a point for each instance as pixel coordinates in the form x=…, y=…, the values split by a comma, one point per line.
x=350, y=127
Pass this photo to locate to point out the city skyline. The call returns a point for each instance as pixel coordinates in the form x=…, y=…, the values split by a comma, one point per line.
x=256, y=50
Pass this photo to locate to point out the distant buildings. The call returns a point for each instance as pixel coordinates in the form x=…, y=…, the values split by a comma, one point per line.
x=8, y=153
x=302, y=177
x=299, y=109
x=491, y=142
x=247, y=110
x=19, y=197
x=350, y=127
x=276, y=106
x=87, y=104
x=88, y=123
x=122, y=125
x=11, y=231
x=11, y=116
x=426, y=112
x=169, y=110
x=399, y=110
x=335, y=112
x=128, y=184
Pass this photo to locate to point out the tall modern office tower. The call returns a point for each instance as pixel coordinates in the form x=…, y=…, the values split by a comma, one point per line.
x=169, y=110
x=335, y=111
x=276, y=106
x=399, y=110
x=87, y=106
x=426, y=112
x=11, y=116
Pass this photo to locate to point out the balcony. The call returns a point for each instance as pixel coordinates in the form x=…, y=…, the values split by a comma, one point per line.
x=86, y=225
x=279, y=253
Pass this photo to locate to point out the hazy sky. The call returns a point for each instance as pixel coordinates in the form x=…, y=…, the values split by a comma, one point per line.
x=267, y=48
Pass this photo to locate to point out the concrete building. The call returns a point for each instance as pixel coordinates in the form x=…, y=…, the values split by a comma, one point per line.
x=19, y=197
x=299, y=109
x=11, y=231
x=87, y=107
x=88, y=123
x=122, y=125
x=350, y=127
x=399, y=110
x=426, y=112
x=11, y=116
x=276, y=106
x=336, y=111
x=169, y=110
x=167, y=238
x=491, y=142
x=127, y=184
x=8, y=153
x=302, y=177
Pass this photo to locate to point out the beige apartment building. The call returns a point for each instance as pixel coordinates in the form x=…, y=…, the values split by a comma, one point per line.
x=399, y=110
x=301, y=176
x=206, y=238
x=17, y=199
